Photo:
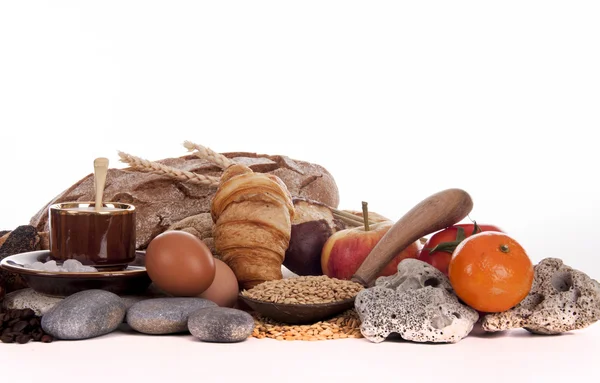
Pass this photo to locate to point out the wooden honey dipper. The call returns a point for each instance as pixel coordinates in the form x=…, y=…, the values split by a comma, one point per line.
x=434, y=213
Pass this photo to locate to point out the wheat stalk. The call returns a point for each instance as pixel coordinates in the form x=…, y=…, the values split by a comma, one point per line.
x=208, y=154
x=156, y=168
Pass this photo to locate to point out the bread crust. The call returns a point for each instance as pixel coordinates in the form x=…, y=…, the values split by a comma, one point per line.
x=162, y=202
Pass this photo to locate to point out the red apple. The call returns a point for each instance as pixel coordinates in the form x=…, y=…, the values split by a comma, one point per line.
x=346, y=250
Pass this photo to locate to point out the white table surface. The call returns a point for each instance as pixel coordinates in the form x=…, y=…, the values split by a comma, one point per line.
x=125, y=356
x=465, y=88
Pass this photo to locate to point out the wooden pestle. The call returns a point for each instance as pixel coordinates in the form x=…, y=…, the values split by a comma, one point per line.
x=434, y=213
x=100, y=171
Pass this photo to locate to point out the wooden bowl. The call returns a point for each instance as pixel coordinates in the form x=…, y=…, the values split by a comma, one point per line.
x=298, y=313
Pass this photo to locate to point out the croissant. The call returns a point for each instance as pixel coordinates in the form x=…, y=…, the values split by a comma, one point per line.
x=253, y=215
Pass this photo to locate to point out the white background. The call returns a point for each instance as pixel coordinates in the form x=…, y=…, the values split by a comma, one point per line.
x=398, y=100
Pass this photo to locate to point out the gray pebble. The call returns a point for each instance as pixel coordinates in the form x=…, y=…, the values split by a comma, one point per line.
x=164, y=315
x=221, y=325
x=83, y=315
x=151, y=292
x=41, y=303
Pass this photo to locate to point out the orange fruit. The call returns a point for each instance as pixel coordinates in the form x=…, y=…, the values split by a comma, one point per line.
x=490, y=272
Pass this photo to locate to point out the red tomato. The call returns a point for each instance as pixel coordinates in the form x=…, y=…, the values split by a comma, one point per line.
x=438, y=249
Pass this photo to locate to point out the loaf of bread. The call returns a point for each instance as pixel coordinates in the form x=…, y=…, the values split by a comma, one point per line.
x=163, y=203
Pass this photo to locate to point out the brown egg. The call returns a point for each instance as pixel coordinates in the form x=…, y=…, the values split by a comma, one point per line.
x=225, y=288
x=180, y=264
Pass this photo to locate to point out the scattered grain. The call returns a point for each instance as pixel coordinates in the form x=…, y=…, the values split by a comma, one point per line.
x=346, y=325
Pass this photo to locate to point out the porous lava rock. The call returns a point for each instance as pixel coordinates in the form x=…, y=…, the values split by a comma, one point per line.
x=417, y=303
x=561, y=299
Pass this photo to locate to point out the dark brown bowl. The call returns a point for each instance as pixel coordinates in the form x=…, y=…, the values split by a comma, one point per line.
x=298, y=314
x=131, y=281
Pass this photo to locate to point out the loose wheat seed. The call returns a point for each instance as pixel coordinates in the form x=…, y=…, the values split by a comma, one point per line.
x=345, y=325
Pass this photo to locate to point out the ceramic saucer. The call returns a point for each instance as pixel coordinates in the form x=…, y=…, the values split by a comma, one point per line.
x=130, y=281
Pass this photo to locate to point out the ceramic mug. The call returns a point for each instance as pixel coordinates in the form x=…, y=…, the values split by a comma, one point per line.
x=104, y=239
